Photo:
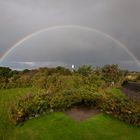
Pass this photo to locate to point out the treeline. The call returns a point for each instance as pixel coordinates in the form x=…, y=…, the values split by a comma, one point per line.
x=15, y=79
x=40, y=78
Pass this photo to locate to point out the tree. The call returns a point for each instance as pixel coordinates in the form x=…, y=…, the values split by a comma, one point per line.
x=112, y=73
x=25, y=71
x=5, y=72
x=85, y=70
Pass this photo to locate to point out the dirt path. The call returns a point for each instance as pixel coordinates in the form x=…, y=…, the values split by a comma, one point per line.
x=132, y=90
x=80, y=113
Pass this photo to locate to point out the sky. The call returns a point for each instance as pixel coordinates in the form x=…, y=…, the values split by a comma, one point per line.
x=66, y=46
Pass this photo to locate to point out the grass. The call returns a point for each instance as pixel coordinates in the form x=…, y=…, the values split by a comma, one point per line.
x=116, y=92
x=7, y=99
x=57, y=126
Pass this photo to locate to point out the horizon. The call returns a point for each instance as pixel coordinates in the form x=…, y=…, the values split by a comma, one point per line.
x=68, y=67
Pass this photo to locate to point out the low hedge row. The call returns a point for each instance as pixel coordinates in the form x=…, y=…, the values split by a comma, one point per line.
x=122, y=108
x=34, y=105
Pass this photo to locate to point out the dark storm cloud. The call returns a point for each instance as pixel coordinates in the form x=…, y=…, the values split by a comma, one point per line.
x=119, y=18
x=69, y=46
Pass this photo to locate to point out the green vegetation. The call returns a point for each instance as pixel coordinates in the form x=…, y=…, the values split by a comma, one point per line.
x=54, y=126
x=115, y=92
x=112, y=73
x=7, y=99
x=28, y=98
x=116, y=105
x=39, y=77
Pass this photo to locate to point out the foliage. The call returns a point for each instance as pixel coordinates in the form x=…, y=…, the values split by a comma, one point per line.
x=36, y=77
x=56, y=83
x=5, y=72
x=29, y=106
x=57, y=125
x=64, y=89
x=112, y=73
x=65, y=99
x=84, y=70
x=119, y=106
x=122, y=108
x=95, y=81
x=39, y=80
x=3, y=82
x=115, y=92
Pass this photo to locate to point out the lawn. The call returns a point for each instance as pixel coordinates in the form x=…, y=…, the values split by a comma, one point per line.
x=58, y=126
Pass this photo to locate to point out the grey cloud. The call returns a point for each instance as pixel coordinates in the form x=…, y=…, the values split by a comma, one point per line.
x=119, y=18
x=71, y=46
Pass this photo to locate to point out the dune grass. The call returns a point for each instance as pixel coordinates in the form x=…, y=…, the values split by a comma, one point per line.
x=57, y=126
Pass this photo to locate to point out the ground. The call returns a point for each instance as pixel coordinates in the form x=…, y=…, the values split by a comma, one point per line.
x=81, y=113
x=58, y=125
x=132, y=90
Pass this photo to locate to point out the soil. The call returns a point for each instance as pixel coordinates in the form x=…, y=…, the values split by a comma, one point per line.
x=80, y=113
x=132, y=90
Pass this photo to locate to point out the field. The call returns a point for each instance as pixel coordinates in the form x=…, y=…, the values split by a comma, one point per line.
x=57, y=126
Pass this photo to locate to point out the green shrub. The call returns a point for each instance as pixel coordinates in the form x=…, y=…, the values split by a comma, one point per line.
x=122, y=108
x=65, y=99
x=29, y=106
x=112, y=73
x=89, y=98
x=32, y=106
x=84, y=70
x=64, y=91
x=39, y=80
x=56, y=83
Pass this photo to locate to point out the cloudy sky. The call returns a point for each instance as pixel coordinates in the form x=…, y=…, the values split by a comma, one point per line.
x=69, y=45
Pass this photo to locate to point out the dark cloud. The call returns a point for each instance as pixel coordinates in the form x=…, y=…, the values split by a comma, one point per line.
x=119, y=18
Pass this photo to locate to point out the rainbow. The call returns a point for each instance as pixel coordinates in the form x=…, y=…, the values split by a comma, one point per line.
x=29, y=36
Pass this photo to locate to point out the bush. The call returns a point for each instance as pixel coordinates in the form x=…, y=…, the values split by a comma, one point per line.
x=65, y=99
x=122, y=108
x=56, y=83
x=29, y=106
x=34, y=105
x=66, y=90
x=5, y=72
x=84, y=70
x=112, y=73
x=39, y=80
